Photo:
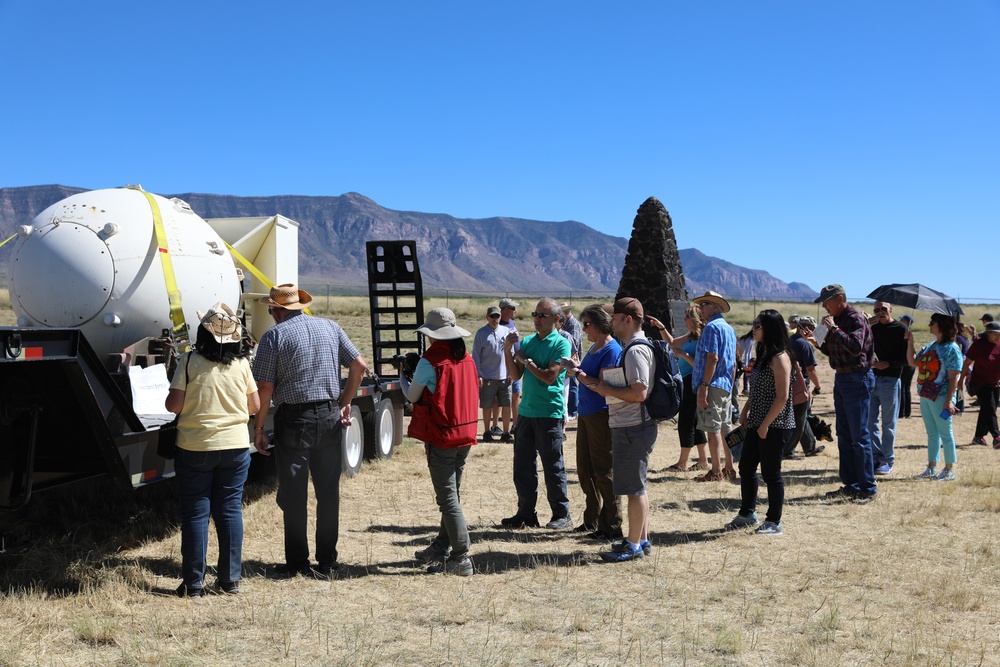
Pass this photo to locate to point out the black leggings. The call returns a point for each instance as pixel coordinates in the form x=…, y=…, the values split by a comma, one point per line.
x=987, y=422
x=687, y=418
x=767, y=453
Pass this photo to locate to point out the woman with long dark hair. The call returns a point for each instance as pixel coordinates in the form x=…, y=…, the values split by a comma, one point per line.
x=769, y=419
x=938, y=366
x=214, y=393
x=445, y=396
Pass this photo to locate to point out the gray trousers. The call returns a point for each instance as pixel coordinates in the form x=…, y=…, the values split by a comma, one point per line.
x=446, y=467
x=802, y=431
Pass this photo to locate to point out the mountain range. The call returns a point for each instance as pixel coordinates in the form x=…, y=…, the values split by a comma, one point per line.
x=492, y=255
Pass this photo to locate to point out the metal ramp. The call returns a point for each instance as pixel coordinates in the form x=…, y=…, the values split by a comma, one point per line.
x=396, y=302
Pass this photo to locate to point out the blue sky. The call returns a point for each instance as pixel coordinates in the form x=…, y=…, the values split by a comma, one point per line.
x=849, y=141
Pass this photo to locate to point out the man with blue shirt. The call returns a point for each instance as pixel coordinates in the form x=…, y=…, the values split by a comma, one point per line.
x=539, y=431
x=487, y=353
x=714, y=369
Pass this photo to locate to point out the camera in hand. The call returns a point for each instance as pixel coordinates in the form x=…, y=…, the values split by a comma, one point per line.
x=406, y=363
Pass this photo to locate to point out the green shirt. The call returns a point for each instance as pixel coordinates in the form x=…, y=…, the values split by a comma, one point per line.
x=537, y=398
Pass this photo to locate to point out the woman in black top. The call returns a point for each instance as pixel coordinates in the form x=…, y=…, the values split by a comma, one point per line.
x=769, y=420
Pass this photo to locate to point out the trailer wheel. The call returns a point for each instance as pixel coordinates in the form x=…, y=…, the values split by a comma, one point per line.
x=353, y=443
x=380, y=431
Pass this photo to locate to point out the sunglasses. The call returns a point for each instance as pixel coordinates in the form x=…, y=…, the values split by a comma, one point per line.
x=756, y=324
x=495, y=316
x=881, y=310
x=585, y=323
x=541, y=315
x=705, y=303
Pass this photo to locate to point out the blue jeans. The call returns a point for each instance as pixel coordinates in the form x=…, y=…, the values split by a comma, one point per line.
x=572, y=407
x=308, y=441
x=211, y=484
x=851, y=399
x=885, y=397
x=540, y=437
x=446, y=467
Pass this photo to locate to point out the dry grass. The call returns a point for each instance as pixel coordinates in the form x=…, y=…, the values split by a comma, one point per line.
x=911, y=579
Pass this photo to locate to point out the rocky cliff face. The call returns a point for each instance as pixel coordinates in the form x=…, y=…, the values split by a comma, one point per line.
x=736, y=282
x=492, y=255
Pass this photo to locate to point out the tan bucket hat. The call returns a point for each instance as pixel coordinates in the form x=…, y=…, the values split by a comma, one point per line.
x=288, y=296
x=714, y=297
x=440, y=324
x=222, y=323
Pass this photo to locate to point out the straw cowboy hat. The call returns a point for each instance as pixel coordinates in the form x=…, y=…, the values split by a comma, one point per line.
x=441, y=325
x=716, y=298
x=289, y=297
x=222, y=323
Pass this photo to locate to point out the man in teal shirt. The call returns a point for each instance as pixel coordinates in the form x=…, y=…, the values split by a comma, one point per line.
x=539, y=430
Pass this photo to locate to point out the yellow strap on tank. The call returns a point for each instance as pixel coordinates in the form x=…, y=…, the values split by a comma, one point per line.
x=257, y=273
x=180, y=333
x=12, y=236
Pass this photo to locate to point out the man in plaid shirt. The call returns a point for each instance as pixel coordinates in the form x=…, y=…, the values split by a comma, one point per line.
x=851, y=349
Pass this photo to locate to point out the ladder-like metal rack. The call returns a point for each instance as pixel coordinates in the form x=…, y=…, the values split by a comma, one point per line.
x=396, y=302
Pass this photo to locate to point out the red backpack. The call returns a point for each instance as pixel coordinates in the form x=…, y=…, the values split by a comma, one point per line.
x=449, y=416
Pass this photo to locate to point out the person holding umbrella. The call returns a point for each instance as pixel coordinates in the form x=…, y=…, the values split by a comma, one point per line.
x=938, y=367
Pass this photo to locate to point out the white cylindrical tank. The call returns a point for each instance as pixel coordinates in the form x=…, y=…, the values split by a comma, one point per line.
x=91, y=261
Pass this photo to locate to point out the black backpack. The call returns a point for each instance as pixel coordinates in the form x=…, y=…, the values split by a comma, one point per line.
x=663, y=399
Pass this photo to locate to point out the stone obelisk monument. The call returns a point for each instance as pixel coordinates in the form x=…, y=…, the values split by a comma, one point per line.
x=652, y=271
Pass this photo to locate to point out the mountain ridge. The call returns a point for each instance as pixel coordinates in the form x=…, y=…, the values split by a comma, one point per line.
x=495, y=255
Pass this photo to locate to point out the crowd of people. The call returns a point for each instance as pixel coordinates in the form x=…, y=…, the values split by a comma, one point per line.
x=598, y=370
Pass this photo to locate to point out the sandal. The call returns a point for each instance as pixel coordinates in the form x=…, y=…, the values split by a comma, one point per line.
x=729, y=473
x=710, y=477
x=697, y=466
x=675, y=468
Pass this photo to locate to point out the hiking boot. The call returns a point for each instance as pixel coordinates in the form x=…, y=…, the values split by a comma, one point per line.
x=816, y=451
x=518, y=521
x=979, y=441
x=185, y=592
x=947, y=475
x=506, y=437
x=324, y=571
x=884, y=469
x=560, y=523
x=742, y=522
x=488, y=436
x=432, y=553
x=769, y=528
x=621, y=552
x=460, y=567
x=584, y=528
x=496, y=431
x=228, y=587
x=288, y=571
x=929, y=473
x=843, y=493
x=863, y=498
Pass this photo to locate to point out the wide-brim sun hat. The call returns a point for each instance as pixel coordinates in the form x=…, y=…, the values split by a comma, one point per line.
x=222, y=323
x=288, y=296
x=716, y=298
x=440, y=324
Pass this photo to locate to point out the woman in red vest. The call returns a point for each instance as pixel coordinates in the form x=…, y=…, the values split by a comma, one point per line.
x=445, y=396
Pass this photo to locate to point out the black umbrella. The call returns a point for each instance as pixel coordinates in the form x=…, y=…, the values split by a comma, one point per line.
x=918, y=297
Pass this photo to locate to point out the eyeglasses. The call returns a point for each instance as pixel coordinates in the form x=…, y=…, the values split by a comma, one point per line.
x=494, y=316
x=541, y=315
x=881, y=310
x=270, y=311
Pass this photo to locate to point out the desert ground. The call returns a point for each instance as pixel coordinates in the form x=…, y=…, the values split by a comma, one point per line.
x=910, y=579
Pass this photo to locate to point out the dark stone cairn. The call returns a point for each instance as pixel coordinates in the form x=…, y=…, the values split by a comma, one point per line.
x=652, y=271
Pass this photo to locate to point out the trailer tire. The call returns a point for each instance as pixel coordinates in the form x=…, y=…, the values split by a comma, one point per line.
x=352, y=443
x=380, y=431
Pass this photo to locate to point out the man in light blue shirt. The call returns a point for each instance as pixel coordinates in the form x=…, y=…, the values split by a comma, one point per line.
x=714, y=369
x=494, y=387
